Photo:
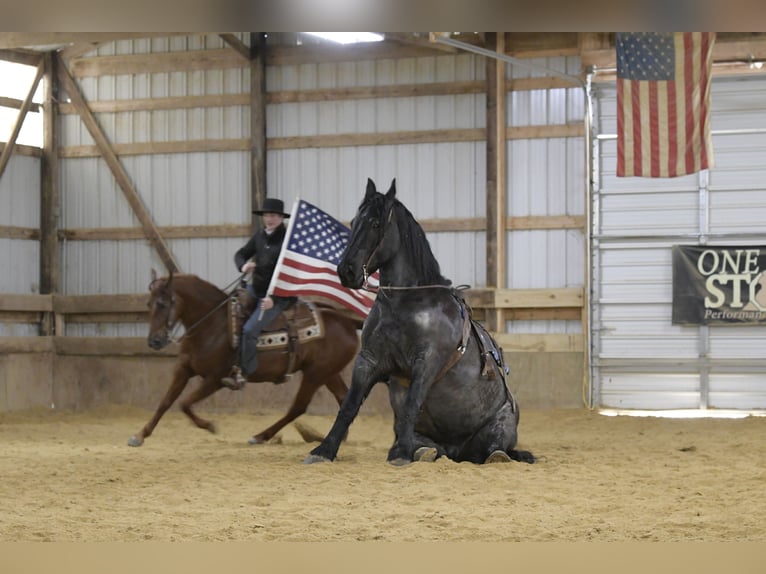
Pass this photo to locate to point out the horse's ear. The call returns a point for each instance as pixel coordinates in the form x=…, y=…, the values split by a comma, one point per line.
x=154, y=275
x=391, y=194
x=371, y=189
x=170, y=279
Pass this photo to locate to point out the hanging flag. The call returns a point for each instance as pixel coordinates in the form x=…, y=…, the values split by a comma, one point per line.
x=307, y=265
x=663, y=103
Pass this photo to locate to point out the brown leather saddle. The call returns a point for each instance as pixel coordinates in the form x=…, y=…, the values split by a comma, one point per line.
x=298, y=323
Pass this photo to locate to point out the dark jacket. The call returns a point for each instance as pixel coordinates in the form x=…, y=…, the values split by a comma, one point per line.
x=265, y=251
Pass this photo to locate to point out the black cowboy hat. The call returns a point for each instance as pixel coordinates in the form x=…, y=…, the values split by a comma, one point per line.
x=272, y=205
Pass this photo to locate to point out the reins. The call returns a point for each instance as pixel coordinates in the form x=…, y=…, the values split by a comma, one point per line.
x=173, y=327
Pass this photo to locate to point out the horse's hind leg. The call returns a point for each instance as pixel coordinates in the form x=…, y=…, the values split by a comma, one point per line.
x=207, y=387
x=181, y=376
x=306, y=392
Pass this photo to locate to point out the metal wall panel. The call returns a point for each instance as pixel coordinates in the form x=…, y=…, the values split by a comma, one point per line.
x=20, y=258
x=641, y=360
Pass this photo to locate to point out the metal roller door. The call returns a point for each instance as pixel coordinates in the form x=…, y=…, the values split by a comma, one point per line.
x=639, y=359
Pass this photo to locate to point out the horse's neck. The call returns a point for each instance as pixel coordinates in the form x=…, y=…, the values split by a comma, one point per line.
x=399, y=271
x=194, y=301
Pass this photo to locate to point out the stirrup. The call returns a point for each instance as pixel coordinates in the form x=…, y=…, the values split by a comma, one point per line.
x=236, y=381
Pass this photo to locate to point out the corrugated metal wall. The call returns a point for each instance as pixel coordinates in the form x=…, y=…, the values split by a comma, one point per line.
x=20, y=258
x=439, y=180
x=435, y=180
x=641, y=360
x=546, y=177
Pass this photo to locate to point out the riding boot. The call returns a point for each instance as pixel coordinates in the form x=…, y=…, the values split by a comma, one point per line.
x=235, y=381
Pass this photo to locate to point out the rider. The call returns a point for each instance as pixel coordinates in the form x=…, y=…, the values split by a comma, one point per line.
x=259, y=255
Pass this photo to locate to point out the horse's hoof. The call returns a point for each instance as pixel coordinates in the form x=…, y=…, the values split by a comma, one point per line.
x=498, y=456
x=135, y=441
x=312, y=458
x=426, y=454
x=255, y=440
x=399, y=462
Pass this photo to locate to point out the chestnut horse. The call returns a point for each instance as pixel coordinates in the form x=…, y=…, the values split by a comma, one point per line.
x=206, y=351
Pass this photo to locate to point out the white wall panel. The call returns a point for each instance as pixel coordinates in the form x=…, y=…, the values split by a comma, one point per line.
x=633, y=279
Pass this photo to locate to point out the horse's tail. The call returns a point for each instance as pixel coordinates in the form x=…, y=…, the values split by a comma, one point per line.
x=522, y=456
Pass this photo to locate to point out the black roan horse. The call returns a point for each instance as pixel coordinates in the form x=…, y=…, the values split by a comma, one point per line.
x=419, y=339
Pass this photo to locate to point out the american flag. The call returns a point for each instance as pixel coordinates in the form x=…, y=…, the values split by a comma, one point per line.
x=307, y=265
x=663, y=103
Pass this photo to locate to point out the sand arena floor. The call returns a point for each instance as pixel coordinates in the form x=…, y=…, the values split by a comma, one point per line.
x=72, y=477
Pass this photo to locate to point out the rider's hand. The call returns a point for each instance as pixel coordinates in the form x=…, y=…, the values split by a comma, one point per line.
x=247, y=267
x=267, y=303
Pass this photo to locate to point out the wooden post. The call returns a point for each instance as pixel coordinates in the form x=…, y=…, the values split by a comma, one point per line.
x=120, y=175
x=49, y=243
x=496, y=175
x=258, y=122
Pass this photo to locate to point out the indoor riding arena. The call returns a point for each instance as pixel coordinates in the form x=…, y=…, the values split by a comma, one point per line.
x=613, y=247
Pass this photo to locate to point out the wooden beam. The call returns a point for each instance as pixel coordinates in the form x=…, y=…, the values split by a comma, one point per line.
x=525, y=298
x=116, y=167
x=238, y=46
x=16, y=104
x=26, y=57
x=319, y=95
x=90, y=304
x=25, y=302
x=10, y=345
x=195, y=60
x=171, y=232
x=451, y=224
x=26, y=150
x=49, y=197
x=8, y=148
x=258, y=143
x=110, y=346
x=539, y=343
x=184, y=146
x=11, y=232
x=168, y=103
x=496, y=137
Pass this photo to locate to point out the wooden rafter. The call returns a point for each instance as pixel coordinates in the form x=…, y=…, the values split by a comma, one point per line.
x=240, y=47
x=120, y=175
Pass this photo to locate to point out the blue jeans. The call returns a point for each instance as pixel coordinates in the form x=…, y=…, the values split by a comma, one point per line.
x=252, y=330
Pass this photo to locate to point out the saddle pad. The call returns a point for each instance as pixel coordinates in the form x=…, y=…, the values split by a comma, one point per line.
x=301, y=321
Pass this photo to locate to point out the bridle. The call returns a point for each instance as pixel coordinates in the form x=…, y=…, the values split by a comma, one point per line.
x=365, y=273
x=172, y=323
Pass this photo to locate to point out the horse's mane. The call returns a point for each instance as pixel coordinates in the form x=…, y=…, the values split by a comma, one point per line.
x=202, y=288
x=415, y=242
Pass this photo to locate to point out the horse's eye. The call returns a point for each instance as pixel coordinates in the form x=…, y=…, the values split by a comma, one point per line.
x=375, y=223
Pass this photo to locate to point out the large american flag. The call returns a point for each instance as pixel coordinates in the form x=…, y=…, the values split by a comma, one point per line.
x=663, y=103
x=307, y=265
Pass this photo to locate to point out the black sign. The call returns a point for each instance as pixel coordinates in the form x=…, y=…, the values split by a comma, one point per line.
x=719, y=285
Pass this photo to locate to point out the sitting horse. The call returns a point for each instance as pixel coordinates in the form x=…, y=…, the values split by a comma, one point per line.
x=445, y=375
x=206, y=351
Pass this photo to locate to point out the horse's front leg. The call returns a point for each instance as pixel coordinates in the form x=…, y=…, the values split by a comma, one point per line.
x=364, y=376
x=406, y=412
x=181, y=375
x=207, y=387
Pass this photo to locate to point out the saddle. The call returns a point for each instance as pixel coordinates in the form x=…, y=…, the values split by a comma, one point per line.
x=488, y=347
x=298, y=323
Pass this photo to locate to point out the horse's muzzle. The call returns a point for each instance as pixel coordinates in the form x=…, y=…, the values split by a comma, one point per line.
x=158, y=341
x=350, y=278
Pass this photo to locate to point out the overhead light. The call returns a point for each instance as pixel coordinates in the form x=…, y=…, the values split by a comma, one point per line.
x=349, y=37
